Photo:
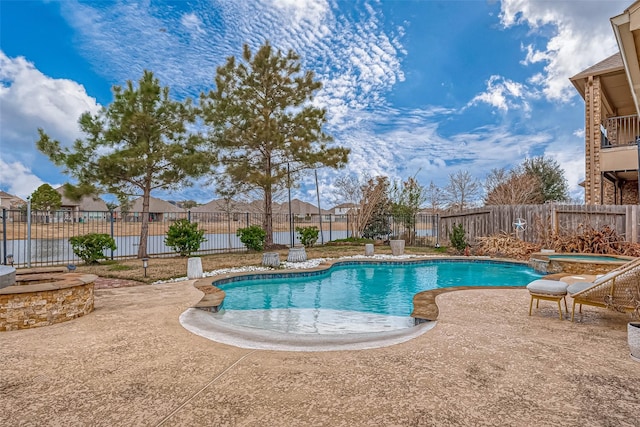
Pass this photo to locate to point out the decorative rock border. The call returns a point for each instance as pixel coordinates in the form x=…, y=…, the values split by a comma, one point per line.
x=42, y=298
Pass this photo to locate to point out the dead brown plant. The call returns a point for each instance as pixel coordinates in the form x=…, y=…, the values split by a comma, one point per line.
x=586, y=239
x=505, y=245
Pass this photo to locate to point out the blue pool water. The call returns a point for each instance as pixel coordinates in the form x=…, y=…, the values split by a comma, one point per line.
x=378, y=288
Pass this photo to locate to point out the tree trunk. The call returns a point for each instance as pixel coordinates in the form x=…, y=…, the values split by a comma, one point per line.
x=267, y=222
x=144, y=231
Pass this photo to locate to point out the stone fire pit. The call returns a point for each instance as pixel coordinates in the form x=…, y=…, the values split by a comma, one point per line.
x=44, y=296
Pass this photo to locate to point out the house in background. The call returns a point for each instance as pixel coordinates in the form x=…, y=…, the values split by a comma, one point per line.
x=611, y=90
x=218, y=210
x=13, y=204
x=9, y=201
x=344, y=208
x=88, y=208
x=159, y=211
x=299, y=209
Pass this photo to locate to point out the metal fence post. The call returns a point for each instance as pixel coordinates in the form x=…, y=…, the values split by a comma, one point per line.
x=4, y=235
x=111, y=220
x=28, y=232
x=247, y=218
x=330, y=222
x=189, y=215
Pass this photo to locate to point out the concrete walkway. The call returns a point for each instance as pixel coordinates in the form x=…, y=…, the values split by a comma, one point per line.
x=485, y=363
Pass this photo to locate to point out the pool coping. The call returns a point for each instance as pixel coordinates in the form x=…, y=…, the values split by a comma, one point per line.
x=425, y=311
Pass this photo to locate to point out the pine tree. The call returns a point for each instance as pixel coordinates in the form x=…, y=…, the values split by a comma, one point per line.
x=263, y=123
x=139, y=143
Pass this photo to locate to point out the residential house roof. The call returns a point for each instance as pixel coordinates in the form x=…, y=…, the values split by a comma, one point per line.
x=613, y=80
x=220, y=205
x=612, y=63
x=298, y=207
x=155, y=205
x=86, y=203
x=9, y=200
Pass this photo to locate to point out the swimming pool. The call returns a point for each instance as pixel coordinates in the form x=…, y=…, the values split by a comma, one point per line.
x=353, y=297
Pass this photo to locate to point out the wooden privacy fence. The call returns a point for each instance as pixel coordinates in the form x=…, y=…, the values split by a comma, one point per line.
x=540, y=219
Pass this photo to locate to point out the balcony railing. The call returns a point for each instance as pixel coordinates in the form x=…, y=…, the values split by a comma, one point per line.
x=620, y=131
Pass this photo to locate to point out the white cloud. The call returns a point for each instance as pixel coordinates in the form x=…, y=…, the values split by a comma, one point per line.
x=503, y=94
x=192, y=23
x=17, y=179
x=310, y=10
x=29, y=99
x=357, y=60
x=581, y=37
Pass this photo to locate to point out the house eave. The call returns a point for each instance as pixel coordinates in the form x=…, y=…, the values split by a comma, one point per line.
x=626, y=28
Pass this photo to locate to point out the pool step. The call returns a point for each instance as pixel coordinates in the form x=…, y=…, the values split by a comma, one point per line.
x=213, y=296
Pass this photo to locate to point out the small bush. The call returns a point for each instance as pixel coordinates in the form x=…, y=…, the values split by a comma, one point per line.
x=253, y=237
x=458, y=239
x=90, y=247
x=184, y=237
x=308, y=235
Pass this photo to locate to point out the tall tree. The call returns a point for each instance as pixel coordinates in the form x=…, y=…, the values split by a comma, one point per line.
x=551, y=176
x=263, y=122
x=461, y=190
x=434, y=197
x=407, y=197
x=372, y=220
x=139, y=143
x=45, y=198
x=515, y=187
x=349, y=189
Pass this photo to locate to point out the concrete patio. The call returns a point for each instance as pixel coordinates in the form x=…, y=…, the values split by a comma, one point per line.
x=486, y=362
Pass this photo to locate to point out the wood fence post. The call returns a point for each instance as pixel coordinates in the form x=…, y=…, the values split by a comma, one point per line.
x=635, y=238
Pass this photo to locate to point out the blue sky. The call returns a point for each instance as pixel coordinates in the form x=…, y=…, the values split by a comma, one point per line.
x=412, y=87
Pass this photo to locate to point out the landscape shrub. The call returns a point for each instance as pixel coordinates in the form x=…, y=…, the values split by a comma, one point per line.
x=90, y=247
x=308, y=235
x=458, y=239
x=253, y=237
x=184, y=237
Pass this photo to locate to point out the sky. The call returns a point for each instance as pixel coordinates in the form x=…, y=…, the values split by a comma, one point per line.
x=413, y=88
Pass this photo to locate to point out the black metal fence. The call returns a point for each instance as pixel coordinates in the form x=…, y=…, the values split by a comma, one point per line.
x=43, y=239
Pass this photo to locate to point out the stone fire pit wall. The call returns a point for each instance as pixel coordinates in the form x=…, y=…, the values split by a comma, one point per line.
x=58, y=299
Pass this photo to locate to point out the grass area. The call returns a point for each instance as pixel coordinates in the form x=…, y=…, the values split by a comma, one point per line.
x=170, y=267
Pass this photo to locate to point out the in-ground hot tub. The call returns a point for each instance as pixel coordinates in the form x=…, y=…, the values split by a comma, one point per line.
x=574, y=263
x=41, y=297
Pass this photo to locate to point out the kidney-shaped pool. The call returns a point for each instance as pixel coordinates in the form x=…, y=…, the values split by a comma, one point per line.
x=352, y=297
